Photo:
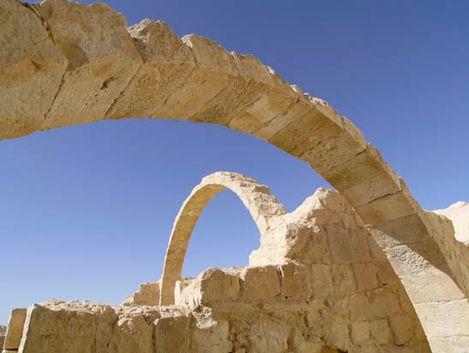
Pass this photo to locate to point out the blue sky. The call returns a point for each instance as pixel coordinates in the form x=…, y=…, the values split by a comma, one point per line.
x=86, y=211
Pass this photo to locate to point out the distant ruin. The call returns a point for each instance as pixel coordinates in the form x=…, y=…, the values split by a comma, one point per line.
x=360, y=269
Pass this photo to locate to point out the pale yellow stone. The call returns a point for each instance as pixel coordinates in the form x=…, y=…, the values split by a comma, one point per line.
x=31, y=69
x=102, y=59
x=15, y=329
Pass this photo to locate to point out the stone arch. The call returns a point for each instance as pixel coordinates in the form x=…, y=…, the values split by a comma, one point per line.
x=65, y=64
x=256, y=198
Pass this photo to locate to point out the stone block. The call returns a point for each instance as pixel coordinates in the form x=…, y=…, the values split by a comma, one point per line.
x=260, y=283
x=15, y=329
x=402, y=329
x=381, y=332
x=343, y=279
x=214, y=286
x=321, y=280
x=366, y=275
x=102, y=59
x=31, y=69
x=295, y=282
x=213, y=72
x=360, y=332
x=172, y=334
x=167, y=64
x=360, y=308
x=213, y=338
x=384, y=303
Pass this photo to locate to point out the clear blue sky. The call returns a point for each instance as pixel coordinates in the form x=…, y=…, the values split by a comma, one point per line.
x=86, y=211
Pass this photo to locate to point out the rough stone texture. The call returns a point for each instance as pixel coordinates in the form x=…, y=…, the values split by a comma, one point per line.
x=77, y=64
x=31, y=69
x=102, y=59
x=15, y=329
x=453, y=238
x=147, y=294
x=3, y=330
x=257, y=199
x=328, y=288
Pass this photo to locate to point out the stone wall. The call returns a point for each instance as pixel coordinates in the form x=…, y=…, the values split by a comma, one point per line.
x=333, y=288
x=79, y=64
x=3, y=330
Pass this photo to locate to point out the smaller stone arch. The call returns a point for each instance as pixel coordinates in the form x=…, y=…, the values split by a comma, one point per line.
x=261, y=204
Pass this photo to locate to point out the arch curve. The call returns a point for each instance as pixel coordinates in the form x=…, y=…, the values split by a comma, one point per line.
x=262, y=206
x=65, y=63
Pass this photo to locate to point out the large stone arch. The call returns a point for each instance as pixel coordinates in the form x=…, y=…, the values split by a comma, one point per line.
x=256, y=198
x=64, y=63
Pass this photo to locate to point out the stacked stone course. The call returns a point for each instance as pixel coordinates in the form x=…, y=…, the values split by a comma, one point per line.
x=64, y=63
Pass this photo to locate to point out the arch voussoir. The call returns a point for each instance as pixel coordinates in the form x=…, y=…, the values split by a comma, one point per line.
x=65, y=63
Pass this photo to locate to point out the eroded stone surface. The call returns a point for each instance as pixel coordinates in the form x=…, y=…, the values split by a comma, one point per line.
x=31, y=69
x=102, y=59
x=77, y=64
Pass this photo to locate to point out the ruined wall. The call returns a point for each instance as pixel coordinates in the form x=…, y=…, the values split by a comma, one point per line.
x=79, y=64
x=333, y=289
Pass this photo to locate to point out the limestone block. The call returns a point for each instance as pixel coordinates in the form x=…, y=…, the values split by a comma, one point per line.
x=452, y=344
x=386, y=209
x=267, y=336
x=381, y=332
x=61, y=327
x=294, y=111
x=336, y=334
x=343, y=279
x=167, y=64
x=102, y=59
x=364, y=178
x=181, y=296
x=295, y=282
x=260, y=283
x=245, y=88
x=317, y=139
x=402, y=329
x=340, y=245
x=366, y=275
x=384, y=303
x=3, y=330
x=321, y=280
x=172, y=334
x=31, y=68
x=132, y=334
x=214, y=286
x=215, y=68
x=213, y=338
x=307, y=244
x=449, y=318
x=148, y=294
x=15, y=329
x=360, y=308
x=360, y=332
x=274, y=102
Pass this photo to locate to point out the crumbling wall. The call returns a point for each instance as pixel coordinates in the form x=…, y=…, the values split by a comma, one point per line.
x=79, y=64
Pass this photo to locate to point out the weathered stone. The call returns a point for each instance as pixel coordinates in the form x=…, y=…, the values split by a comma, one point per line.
x=402, y=329
x=31, y=68
x=15, y=329
x=80, y=65
x=102, y=59
x=260, y=283
x=295, y=282
x=148, y=294
x=167, y=64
